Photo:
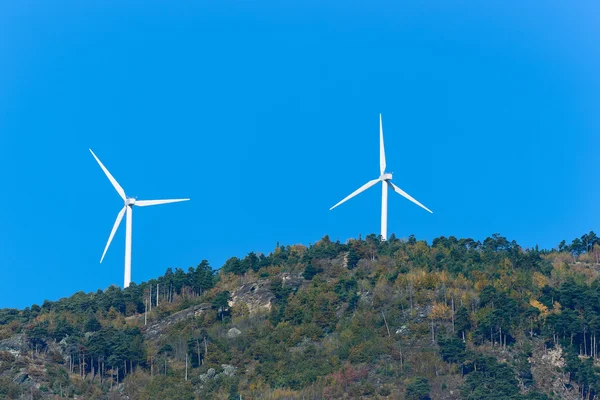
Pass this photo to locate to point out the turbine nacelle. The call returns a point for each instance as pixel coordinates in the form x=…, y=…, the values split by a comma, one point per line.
x=129, y=201
x=386, y=177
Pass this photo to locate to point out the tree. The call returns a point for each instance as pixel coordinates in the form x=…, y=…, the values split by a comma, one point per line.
x=310, y=271
x=195, y=350
x=589, y=240
x=203, y=277
x=452, y=349
x=577, y=247
x=462, y=322
x=235, y=266
x=92, y=324
x=63, y=329
x=251, y=261
x=117, y=346
x=490, y=380
x=352, y=258
x=179, y=279
x=418, y=389
x=37, y=335
x=8, y=314
x=593, y=239
x=221, y=303
x=562, y=246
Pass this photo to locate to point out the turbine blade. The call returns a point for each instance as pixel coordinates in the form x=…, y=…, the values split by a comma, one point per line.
x=357, y=191
x=144, y=203
x=381, y=148
x=407, y=196
x=112, y=180
x=114, y=229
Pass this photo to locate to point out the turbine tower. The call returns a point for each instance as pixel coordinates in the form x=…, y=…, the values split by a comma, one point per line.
x=385, y=179
x=127, y=209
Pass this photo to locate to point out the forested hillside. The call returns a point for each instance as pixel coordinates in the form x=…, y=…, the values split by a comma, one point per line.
x=400, y=319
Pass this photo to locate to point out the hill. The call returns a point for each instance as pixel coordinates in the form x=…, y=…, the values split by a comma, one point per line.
x=400, y=319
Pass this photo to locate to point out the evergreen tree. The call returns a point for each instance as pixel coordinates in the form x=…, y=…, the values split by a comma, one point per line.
x=418, y=389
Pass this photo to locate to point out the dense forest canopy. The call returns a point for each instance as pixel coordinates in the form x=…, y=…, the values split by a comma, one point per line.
x=454, y=318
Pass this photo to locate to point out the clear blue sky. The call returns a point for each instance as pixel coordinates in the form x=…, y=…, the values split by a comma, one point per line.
x=267, y=114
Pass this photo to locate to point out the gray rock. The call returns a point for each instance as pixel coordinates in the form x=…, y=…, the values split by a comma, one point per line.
x=208, y=375
x=14, y=345
x=293, y=281
x=402, y=330
x=228, y=370
x=153, y=332
x=233, y=333
x=256, y=296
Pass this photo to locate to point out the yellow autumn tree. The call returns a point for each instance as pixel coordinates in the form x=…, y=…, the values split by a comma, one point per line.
x=440, y=312
x=540, y=280
x=542, y=308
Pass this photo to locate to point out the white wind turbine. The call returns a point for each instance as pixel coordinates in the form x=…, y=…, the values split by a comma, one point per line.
x=127, y=208
x=385, y=179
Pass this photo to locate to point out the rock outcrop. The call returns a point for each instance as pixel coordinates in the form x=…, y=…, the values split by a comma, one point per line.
x=155, y=329
x=258, y=297
x=15, y=345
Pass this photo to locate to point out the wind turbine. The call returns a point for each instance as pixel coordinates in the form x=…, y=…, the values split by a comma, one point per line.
x=127, y=209
x=385, y=179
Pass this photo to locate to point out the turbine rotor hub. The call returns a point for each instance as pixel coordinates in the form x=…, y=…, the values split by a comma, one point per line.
x=386, y=177
x=129, y=201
